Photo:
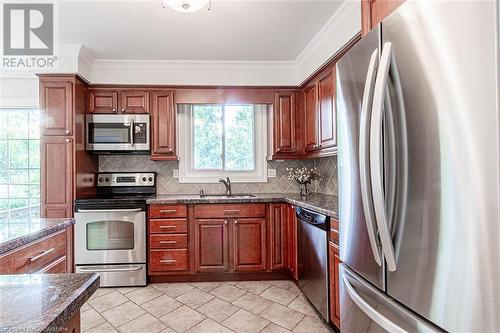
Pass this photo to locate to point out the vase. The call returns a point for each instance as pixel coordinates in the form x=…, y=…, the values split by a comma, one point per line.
x=304, y=191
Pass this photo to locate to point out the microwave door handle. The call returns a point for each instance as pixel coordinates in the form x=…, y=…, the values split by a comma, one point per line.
x=132, y=126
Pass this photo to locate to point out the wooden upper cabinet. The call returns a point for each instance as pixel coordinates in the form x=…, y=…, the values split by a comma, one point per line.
x=374, y=11
x=311, y=118
x=249, y=244
x=212, y=245
x=163, y=126
x=278, y=218
x=327, y=120
x=134, y=101
x=56, y=104
x=56, y=171
x=103, y=101
x=284, y=124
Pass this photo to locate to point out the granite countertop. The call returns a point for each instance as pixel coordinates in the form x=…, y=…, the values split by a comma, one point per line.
x=321, y=203
x=43, y=302
x=16, y=233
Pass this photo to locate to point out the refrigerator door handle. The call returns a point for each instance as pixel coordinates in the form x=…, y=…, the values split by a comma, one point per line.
x=364, y=170
x=384, y=322
x=376, y=161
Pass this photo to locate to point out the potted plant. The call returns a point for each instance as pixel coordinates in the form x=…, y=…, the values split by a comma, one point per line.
x=303, y=176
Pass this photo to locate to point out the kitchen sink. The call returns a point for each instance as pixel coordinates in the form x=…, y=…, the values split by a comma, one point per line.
x=232, y=196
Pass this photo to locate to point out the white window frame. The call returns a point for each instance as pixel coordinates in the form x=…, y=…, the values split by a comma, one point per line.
x=185, y=141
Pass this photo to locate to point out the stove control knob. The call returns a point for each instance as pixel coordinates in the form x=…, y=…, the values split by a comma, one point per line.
x=107, y=179
x=144, y=179
x=150, y=179
x=101, y=180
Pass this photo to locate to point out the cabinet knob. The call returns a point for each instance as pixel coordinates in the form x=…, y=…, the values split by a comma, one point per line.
x=114, y=110
x=123, y=110
x=170, y=150
x=67, y=131
x=225, y=221
x=68, y=140
x=235, y=221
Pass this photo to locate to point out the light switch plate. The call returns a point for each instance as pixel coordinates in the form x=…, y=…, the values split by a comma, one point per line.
x=176, y=174
x=271, y=173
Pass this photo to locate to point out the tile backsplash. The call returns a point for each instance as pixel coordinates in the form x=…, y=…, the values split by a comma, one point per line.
x=166, y=184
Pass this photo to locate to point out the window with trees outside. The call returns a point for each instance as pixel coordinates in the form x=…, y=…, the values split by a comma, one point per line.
x=222, y=140
x=19, y=164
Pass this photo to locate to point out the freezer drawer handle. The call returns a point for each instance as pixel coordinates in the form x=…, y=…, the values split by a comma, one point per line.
x=376, y=163
x=122, y=269
x=364, y=169
x=370, y=311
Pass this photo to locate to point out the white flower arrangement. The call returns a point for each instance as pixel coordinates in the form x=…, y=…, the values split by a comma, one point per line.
x=303, y=175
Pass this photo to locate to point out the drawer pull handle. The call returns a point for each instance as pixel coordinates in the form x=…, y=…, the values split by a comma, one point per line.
x=168, y=242
x=168, y=226
x=168, y=211
x=231, y=210
x=168, y=261
x=44, y=253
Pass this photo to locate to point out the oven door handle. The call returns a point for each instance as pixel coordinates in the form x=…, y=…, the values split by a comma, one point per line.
x=97, y=270
x=131, y=210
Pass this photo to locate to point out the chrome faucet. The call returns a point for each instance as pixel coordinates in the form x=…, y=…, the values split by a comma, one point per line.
x=227, y=184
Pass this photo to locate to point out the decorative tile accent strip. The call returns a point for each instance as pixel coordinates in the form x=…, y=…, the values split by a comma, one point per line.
x=166, y=184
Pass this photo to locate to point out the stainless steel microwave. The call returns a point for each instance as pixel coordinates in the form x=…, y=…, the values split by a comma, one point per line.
x=114, y=133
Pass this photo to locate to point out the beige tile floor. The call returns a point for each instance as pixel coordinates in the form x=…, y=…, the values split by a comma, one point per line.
x=202, y=307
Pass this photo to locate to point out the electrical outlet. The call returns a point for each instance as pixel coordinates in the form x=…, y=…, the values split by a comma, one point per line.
x=271, y=173
x=176, y=173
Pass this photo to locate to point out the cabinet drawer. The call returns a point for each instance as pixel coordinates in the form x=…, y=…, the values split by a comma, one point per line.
x=167, y=211
x=57, y=266
x=35, y=256
x=168, y=241
x=230, y=210
x=167, y=226
x=168, y=260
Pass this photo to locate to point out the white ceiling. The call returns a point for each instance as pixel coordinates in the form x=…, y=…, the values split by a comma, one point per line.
x=233, y=30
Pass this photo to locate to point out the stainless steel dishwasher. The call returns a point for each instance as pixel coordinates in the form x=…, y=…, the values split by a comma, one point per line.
x=313, y=257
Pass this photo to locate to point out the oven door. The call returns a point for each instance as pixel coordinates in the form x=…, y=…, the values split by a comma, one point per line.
x=111, y=133
x=110, y=236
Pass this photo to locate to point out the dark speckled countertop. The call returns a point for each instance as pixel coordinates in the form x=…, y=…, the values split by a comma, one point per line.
x=43, y=302
x=16, y=233
x=321, y=203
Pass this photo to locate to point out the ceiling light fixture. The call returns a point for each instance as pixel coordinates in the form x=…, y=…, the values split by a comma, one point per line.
x=186, y=6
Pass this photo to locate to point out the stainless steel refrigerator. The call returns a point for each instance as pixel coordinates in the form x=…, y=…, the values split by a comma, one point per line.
x=418, y=136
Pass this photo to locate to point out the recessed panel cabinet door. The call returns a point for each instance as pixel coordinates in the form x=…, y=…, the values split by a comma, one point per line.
x=134, y=101
x=310, y=117
x=163, y=125
x=212, y=245
x=285, y=138
x=277, y=236
x=56, y=171
x=56, y=103
x=249, y=244
x=326, y=87
x=334, y=263
x=103, y=101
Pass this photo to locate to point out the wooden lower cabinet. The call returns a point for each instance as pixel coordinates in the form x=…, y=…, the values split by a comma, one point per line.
x=278, y=217
x=249, y=244
x=73, y=325
x=334, y=283
x=50, y=254
x=291, y=235
x=212, y=245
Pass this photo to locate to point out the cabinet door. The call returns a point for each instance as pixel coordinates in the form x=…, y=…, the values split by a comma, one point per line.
x=134, y=102
x=56, y=171
x=334, y=263
x=249, y=244
x=163, y=125
x=284, y=136
x=56, y=104
x=326, y=91
x=311, y=118
x=212, y=245
x=103, y=101
x=292, y=257
x=277, y=236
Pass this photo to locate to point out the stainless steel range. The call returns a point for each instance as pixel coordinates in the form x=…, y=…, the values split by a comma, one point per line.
x=110, y=234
